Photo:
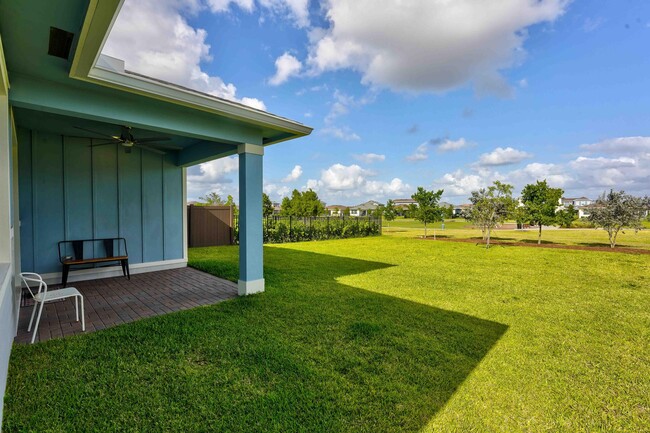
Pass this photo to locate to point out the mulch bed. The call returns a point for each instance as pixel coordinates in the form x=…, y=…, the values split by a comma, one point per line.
x=547, y=245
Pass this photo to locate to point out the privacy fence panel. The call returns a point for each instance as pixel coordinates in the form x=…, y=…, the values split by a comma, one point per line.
x=209, y=226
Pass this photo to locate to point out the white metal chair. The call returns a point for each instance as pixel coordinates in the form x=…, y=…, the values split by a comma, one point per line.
x=42, y=296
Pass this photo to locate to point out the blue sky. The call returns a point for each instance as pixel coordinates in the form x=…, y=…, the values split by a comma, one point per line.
x=434, y=93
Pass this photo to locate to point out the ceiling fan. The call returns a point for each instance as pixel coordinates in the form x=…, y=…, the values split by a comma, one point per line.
x=128, y=141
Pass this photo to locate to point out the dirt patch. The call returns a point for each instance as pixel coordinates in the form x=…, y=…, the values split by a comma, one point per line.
x=548, y=245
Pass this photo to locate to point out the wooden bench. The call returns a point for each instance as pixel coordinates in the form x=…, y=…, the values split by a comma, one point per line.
x=92, y=252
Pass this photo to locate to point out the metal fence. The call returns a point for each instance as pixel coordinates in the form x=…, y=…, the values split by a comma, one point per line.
x=280, y=229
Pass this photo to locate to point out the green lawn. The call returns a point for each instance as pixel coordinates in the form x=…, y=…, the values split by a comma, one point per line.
x=462, y=229
x=366, y=335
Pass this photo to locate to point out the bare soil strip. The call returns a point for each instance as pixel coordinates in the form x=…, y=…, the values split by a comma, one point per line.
x=546, y=245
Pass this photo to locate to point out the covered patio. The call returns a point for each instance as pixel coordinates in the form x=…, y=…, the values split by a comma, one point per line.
x=113, y=301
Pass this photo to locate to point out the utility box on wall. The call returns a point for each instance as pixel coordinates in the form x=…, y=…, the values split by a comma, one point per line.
x=209, y=226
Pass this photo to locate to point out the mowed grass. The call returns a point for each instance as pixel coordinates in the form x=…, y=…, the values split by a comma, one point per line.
x=384, y=334
x=460, y=229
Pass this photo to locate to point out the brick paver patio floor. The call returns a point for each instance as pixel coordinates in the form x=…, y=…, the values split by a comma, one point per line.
x=112, y=301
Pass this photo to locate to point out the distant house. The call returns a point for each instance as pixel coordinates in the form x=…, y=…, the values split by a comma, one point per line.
x=582, y=204
x=277, y=207
x=461, y=209
x=576, y=202
x=364, y=209
x=335, y=210
x=403, y=203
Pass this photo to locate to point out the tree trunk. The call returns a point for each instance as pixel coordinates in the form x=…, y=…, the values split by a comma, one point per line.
x=539, y=236
x=612, y=237
x=425, y=230
x=487, y=244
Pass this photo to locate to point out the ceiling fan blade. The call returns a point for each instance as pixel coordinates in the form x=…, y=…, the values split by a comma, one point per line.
x=150, y=149
x=104, y=144
x=98, y=133
x=151, y=139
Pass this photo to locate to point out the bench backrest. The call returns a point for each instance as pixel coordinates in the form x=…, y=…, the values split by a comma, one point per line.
x=81, y=249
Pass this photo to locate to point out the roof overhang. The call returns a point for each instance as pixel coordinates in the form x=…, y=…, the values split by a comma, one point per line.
x=89, y=65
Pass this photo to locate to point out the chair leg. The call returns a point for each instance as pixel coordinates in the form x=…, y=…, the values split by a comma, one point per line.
x=76, y=307
x=29, y=328
x=38, y=319
x=83, y=316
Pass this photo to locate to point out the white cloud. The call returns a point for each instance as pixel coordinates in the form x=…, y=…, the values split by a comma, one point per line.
x=217, y=6
x=213, y=176
x=340, y=177
x=166, y=47
x=503, y=156
x=460, y=184
x=297, y=10
x=428, y=45
x=421, y=153
x=369, y=158
x=295, y=174
x=286, y=66
x=275, y=190
x=635, y=146
x=352, y=181
x=343, y=133
x=556, y=175
x=448, y=145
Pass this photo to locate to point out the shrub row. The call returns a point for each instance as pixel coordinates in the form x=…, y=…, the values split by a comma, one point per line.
x=295, y=229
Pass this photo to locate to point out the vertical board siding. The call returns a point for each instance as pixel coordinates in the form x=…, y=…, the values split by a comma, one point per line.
x=173, y=209
x=25, y=199
x=47, y=203
x=130, y=206
x=78, y=184
x=70, y=190
x=152, y=207
x=105, y=200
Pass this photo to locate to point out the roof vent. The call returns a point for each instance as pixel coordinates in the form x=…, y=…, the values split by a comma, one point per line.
x=60, y=43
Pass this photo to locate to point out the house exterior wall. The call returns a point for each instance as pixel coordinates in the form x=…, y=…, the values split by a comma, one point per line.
x=70, y=190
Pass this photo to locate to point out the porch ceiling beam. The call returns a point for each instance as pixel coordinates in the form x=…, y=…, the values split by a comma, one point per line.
x=203, y=152
x=91, y=102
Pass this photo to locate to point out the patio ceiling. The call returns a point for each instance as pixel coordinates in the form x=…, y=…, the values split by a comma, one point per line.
x=55, y=94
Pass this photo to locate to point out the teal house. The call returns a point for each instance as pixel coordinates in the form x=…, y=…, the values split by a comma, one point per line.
x=91, y=150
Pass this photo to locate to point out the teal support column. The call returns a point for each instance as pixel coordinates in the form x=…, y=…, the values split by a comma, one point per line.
x=251, y=263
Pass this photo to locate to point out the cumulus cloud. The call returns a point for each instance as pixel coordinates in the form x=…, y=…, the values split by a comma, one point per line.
x=286, y=66
x=166, y=47
x=634, y=146
x=432, y=45
x=214, y=176
x=217, y=6
x=343, y=133
x=275, y=190
x=369, y=158
x=458, y=183
x=348, y=181
x=503, y=156
x=447, y=145
x=421, y=153
x=442, y=145
x=295, y=174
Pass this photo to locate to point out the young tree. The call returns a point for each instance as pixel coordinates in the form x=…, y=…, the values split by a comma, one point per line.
x=566, y=217
x=267, y=205
x=211, y=199
x=230, y=201
x=389, y=211
x=540, y=202
x=411, y=211
x=302, y=204
x=427, y=209
x=491, y=207
x=448, y=212
x=616, y=210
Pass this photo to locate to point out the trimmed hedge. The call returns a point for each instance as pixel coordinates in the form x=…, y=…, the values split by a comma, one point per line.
x=296, y=229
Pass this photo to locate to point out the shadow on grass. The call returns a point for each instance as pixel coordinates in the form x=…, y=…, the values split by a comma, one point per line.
x=534, y=241
x=492, y=238
x=309, y=354
x=601, y=244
